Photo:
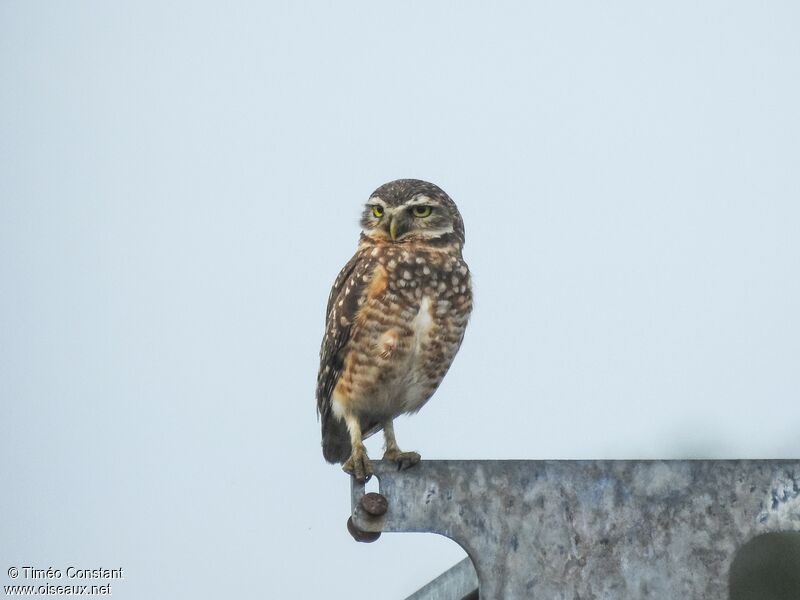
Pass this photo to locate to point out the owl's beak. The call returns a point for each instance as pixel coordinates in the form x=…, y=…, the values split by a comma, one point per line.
x=398, y=225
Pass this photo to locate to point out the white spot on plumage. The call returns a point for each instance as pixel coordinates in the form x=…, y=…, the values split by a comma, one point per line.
x=422, y=323
x=406, y=274
x=416, y=383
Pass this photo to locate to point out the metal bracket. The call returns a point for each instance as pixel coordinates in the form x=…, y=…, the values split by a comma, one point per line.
x=591, y=529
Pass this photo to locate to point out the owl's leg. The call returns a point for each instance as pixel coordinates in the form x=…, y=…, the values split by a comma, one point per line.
x=358, y=465
x=404, y=460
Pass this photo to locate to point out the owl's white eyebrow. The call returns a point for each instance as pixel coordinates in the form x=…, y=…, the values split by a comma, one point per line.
x=434, y=233
x=375, y=200
x=421, y=199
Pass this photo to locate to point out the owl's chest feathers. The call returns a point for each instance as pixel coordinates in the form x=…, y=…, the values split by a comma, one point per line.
x=407, y=330
x=403, y=383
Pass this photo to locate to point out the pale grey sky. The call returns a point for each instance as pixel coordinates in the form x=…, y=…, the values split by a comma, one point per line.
x=180, y=182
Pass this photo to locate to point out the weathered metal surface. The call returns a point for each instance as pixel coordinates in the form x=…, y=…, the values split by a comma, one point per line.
x=600, y=530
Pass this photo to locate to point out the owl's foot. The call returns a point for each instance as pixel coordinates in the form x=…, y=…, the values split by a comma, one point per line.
x=358, y=465
x=404, y=460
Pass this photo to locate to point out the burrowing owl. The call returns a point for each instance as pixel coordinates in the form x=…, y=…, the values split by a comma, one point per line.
x=395, y=319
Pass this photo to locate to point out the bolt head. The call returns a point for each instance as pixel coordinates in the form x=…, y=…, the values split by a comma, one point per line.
x=366, y=537
x=374, y=504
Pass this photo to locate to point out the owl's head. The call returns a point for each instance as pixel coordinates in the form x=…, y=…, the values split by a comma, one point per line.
x=408, y=210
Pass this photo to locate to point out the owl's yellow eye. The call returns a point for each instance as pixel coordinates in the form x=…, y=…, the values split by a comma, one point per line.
x=421, y=211
x=377, y=211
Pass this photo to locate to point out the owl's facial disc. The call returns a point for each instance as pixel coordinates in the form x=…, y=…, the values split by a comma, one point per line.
x=419, y=218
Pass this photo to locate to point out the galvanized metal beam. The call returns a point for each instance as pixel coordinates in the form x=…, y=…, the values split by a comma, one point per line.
x=457, y=583
x=591, y=529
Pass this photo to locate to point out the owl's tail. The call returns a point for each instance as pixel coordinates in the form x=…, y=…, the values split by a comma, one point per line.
x=335, y=440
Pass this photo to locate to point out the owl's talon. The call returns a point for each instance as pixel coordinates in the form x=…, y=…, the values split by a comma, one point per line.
x=358, y=465
x=404, y=460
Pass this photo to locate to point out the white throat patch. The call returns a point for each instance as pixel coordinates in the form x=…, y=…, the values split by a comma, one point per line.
x=421, y=324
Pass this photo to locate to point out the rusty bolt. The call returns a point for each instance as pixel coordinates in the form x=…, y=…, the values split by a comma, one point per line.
x=361, y=536
x=374, y=504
